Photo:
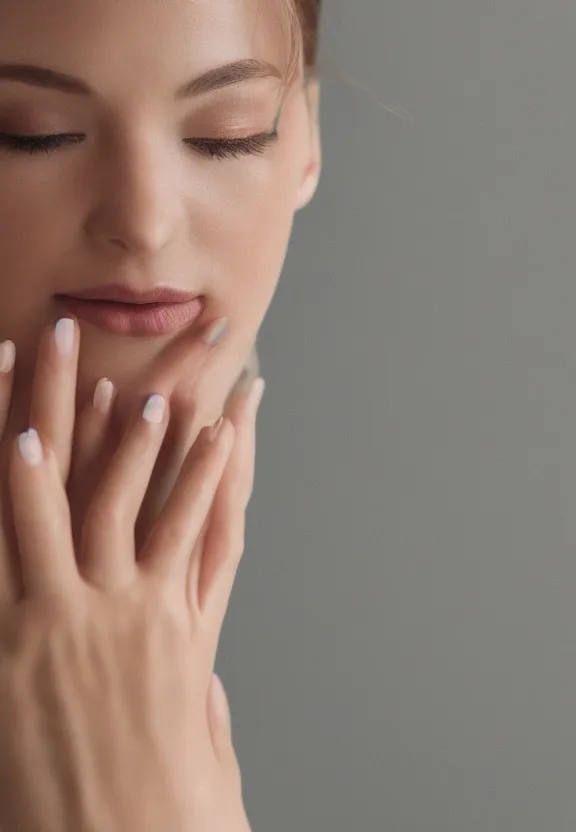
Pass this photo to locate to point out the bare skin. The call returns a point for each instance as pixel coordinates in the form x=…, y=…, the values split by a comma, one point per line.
x=133, y=202
x=108, y=719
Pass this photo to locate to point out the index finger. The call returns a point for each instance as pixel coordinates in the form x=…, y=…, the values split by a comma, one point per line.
x=189, y=351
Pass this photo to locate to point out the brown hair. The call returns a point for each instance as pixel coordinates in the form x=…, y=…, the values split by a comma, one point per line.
x=304, y=24
x=309, y=17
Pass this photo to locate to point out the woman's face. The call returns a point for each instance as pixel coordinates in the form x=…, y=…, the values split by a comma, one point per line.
x=136, y=199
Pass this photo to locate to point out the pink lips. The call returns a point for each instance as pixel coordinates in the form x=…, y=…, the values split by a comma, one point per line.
x=123, y=311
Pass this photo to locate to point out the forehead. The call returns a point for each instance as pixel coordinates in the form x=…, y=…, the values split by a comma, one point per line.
x=151, y=38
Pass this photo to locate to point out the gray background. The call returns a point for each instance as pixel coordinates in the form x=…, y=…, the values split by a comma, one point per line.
x=400, y=652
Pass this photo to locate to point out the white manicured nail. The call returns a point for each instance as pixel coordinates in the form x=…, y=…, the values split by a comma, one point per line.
x=103, y=395
x=7, y=356
x=30, y=447
x=155, y=409
x=64, y=334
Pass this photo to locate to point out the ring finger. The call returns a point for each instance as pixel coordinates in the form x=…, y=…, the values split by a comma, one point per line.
x=89, y=458
x=53, y=405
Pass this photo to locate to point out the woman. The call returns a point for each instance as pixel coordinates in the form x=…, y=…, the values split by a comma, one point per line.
x=152, y=156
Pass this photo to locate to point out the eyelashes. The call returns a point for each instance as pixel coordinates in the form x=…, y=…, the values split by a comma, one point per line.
x=37, y=144
x=212, y=148
x=234, y=148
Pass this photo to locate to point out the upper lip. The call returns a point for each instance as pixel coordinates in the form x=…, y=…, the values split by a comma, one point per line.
x=121, y=293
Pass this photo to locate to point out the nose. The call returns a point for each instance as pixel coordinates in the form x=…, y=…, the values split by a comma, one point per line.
x=138, y=205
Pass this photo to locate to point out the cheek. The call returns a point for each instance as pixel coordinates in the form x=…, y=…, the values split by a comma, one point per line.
x=35, y=196
x=35, y=228
x=249, y=225
x=30, y=236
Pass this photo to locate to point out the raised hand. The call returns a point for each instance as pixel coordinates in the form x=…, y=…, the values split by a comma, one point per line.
x=107, y=652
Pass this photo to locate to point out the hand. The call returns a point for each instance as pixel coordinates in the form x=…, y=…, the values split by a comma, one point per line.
x=177, y=372
x=184, y=378
x=107, y=654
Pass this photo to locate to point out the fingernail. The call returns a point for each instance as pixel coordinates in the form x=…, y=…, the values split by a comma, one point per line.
x=103, y=395
x=64, y=335
x=7, y=356
x=255, y=397
x=30, y=447
x=216, y=332
x=216, y=428
x=154, y=409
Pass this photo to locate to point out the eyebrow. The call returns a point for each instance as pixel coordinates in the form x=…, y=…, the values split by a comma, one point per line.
x=222, y=76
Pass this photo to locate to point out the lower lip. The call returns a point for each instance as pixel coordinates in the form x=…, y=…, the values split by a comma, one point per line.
x=138, y=321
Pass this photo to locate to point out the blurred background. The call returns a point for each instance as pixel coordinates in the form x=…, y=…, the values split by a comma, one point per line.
x=400, y=651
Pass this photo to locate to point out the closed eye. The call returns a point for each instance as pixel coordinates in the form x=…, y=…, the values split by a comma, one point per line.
x=233, y=148
x=38, y=144
x=217, y=148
